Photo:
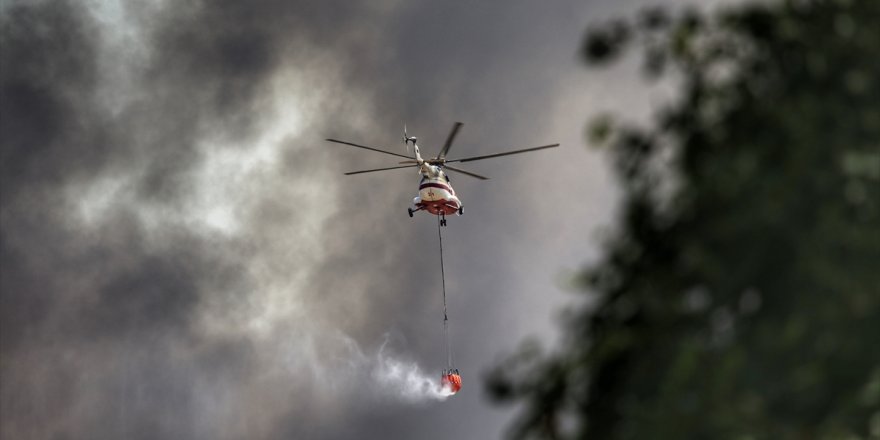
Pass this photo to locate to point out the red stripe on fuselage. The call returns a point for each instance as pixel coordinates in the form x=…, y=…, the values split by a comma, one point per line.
x=436, y=185
x=440, y=207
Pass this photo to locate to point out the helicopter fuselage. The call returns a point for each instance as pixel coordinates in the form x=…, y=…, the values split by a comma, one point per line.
x=436, y=195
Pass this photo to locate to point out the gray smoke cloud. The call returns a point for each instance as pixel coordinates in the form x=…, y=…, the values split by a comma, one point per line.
x=182, y=258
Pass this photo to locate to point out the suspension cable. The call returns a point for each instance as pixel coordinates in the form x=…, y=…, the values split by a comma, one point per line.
x=449, y=357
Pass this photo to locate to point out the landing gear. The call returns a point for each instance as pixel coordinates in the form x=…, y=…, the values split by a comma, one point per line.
x=410, y=211
x=443, y=220
x=460, y=210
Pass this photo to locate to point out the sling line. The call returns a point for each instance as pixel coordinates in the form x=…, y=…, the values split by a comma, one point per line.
x=449, y=355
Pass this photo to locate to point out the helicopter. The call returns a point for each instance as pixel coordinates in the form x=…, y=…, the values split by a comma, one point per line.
x=436, y=195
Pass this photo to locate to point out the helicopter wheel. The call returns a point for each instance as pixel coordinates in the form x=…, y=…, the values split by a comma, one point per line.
x=443, y=222
x=460, y=210
x=410, y=211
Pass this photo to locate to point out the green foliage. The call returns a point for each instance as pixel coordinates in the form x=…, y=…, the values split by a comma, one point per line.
x=741, y=296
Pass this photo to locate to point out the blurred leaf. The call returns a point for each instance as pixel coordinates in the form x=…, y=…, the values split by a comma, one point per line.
x=604, y=44
x=600, y=130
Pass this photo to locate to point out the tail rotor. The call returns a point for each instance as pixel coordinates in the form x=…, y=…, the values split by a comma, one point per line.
x=407, y=139
x=415, y=148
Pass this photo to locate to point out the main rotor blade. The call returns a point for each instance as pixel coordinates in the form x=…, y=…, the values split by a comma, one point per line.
x=465, y=172
x=379, y=169
x=507, y=153
x=368, y=148
x=449, y=140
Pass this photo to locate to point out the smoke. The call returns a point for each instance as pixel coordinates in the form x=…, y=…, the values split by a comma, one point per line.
x=170, y=233
x=181, y=257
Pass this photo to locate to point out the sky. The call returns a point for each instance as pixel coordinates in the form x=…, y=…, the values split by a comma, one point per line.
x=182, y=256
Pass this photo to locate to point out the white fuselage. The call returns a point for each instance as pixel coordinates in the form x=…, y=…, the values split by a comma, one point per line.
x=435, y=191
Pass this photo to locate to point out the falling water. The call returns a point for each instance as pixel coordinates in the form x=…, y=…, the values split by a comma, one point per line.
x=406, y=380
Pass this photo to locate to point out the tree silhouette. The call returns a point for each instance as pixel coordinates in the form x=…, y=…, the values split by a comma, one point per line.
x=740, y=294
